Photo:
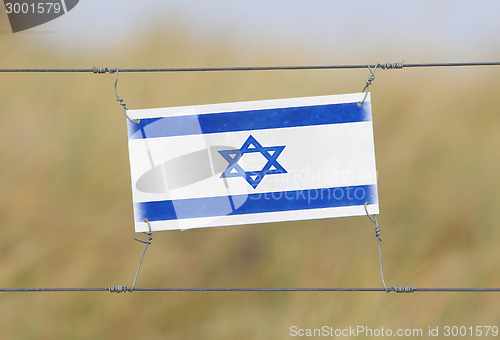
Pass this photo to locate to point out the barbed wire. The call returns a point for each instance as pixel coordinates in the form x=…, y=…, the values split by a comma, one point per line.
x=398, y=65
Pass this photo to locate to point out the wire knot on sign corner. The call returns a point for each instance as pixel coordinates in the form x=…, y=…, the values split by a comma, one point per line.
x=122, y=289
x=371, y=78
x=147, y=243
x=102, y=70
x=368, y=83
x=374, y=220
x=147, y=233
x=379, y=239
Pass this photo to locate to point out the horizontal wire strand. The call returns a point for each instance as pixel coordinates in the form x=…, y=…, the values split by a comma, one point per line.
x=248, y=68
x=119, y=289
x=125, y=289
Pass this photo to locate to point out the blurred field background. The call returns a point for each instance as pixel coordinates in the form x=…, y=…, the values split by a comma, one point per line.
x=66, y=211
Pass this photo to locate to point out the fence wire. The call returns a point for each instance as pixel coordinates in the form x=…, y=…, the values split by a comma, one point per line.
x=397, y=65
x=123, y=289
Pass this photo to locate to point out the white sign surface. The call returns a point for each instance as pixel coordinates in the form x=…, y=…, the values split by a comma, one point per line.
x=252, y=162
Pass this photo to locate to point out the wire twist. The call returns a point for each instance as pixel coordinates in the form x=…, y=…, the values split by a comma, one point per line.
x=122, y=289
x=120, y=100
x=374, y=220
x=368, y=83
x=392, y=66
x=379, y=239
x=147, y=242
x=102, y=70
x=371, y=78
x=377, y=234
x=404, y=289
x=117, y=289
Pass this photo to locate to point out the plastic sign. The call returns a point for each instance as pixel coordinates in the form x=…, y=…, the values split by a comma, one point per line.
x=252, y=162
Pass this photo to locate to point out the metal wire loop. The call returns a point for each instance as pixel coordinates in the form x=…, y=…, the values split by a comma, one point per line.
x=148, y=233
x=122, y=289
x=102, y=70
x=377, y=234
x=120, y=100
x=368, y=83
x=373, y=218
x=385, y=66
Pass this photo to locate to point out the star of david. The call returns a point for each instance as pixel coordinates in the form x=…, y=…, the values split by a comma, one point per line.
x=251, y=145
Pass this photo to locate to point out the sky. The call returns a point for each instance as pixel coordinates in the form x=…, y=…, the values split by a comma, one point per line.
x=425, y=30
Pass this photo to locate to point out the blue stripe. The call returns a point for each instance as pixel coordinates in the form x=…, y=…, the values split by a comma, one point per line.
x=249, y=120
x=256, y=203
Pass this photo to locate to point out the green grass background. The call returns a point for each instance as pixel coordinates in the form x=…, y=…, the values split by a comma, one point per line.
x=66, y=210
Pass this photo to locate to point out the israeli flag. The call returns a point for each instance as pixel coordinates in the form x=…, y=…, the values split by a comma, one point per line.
x=252, y=162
